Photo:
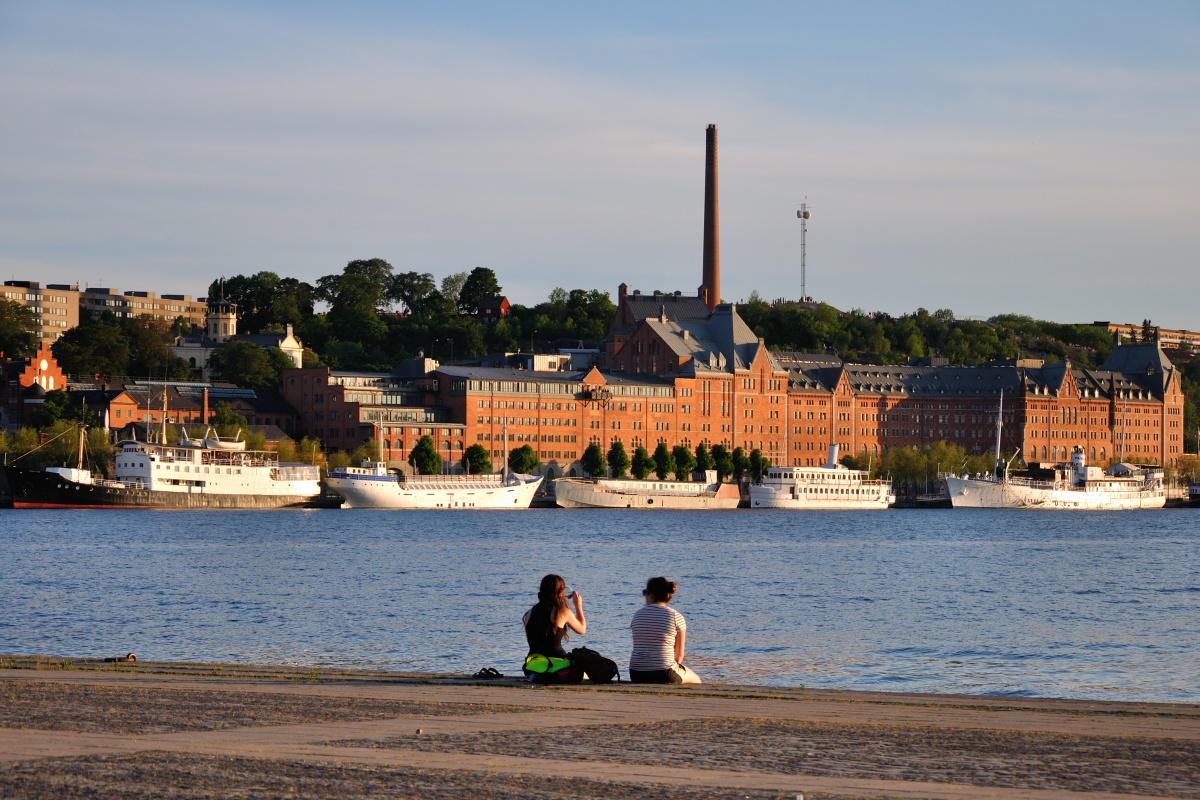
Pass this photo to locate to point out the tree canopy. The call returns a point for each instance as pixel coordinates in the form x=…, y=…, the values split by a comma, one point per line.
x=424, y=457
x=476, y=460
x=248, y=365
x=17, y=326
x=593, y=462
x=618, y=460
x=524, y=460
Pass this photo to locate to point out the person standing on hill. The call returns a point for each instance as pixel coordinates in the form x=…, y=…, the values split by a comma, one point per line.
x=659, y=634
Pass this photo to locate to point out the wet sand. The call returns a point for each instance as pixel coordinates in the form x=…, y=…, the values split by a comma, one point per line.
x=79, y=728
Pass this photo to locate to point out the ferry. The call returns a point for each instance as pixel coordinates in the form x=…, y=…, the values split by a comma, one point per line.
x=621, y=493
x=205, y=473
x=373, y=485
x=832, y=486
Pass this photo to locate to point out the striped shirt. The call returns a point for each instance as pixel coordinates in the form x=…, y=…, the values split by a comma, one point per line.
x=655, y=629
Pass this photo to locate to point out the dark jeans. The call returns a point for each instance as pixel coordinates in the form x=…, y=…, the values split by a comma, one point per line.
x=654, y=676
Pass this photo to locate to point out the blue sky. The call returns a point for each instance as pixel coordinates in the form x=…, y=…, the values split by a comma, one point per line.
x=1038, y=158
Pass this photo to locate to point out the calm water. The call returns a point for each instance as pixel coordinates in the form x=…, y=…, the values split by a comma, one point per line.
x=1023, y=603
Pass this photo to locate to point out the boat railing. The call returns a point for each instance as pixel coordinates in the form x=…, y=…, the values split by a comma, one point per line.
x=452, y=480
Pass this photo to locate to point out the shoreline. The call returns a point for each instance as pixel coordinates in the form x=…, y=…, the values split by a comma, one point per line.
x=84, y=727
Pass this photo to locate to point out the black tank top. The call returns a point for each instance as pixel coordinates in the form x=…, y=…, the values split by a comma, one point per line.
x=547, y=645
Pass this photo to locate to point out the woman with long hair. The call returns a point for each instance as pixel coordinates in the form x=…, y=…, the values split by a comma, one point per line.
x=659, y=635
x=547, y=622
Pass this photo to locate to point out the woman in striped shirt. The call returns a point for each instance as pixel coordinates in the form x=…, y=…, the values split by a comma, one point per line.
x=659, y=632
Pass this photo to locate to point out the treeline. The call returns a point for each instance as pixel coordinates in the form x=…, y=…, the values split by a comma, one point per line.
x=880, y=338
x=377, y=317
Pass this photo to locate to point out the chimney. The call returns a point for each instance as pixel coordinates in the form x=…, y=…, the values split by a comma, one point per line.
x=204, y=408
x=711, y=286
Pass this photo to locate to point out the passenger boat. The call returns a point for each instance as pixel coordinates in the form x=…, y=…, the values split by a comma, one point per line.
x=1073, y=486
x=196, y=473
x=829, y=487
x=373, y=485
x=1194, y=492
x=652, y=494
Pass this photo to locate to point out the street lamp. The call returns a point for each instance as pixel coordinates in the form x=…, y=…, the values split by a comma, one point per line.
x=451, y=341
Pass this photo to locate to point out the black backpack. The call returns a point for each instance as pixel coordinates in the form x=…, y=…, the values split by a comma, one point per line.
x=598, y=668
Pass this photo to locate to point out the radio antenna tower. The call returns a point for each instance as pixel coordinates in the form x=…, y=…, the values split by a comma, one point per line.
x=803, y=215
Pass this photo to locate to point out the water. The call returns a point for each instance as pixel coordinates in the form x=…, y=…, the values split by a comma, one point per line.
x=1085, y=605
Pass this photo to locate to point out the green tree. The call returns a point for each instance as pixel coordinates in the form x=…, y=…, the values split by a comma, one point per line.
x=476, y=460
x=741, y=464
x=479, y=284
x=758, y=465
x=452, y=286
x=59, y=405
x=685, y=462
x=664, y=462
x=94, y=347
x=424, y=457
x=354, y=305
x=704, y=459
x=17, y=326
x=415, y=291
x=524, y=460
x=593, y=462
x=248, y=365
x=618, y=460
x=722, y=461
x=643, y=464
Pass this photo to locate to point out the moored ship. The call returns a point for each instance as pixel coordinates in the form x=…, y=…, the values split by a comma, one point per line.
x=373, y=486
x=1073, y=486
x=619, y=493
x=195, y=473
x=1065, y=486
x=832, y=486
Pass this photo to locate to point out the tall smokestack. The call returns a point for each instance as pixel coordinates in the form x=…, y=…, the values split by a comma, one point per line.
x=710, y=289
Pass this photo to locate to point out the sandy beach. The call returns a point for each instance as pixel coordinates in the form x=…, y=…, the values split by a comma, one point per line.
x=77, y=728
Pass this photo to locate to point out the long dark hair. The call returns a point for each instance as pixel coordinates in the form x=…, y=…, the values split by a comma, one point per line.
x=551, y=599
x=661, y=589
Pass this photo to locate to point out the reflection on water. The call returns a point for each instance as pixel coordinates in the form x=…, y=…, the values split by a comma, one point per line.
x=1073, y=605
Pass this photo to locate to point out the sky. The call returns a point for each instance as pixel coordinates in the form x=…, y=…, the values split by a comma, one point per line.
x=1022, y=157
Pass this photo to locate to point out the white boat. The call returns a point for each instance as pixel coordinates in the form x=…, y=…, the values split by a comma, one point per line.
x=196, y=473
x=832, y=486
x=374, y=486
x=653, y=494
x=1074, y=486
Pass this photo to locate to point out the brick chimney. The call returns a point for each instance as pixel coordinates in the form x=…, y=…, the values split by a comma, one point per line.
x=710, y=289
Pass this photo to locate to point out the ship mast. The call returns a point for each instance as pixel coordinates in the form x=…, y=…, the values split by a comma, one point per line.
x=1001, y=465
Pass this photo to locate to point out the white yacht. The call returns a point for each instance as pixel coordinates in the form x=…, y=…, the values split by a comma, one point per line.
x=829, y=487
x=373, y=485
x=651, y=494
x=1074, y=486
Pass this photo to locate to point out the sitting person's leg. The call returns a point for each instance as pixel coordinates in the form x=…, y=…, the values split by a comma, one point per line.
x=682, y=674
x=651, y=676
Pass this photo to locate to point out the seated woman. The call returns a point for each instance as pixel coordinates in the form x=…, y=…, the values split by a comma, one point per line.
x=546, y=627
x=659, y=632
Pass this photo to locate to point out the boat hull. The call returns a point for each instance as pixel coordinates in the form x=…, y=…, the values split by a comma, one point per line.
x=975, y=493
x=360, y=491
x=771, y=497
x=571, y=493
x=36, y=489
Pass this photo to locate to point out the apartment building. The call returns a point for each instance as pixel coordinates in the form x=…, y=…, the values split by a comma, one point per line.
x=167, y=307
x=55, y=304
